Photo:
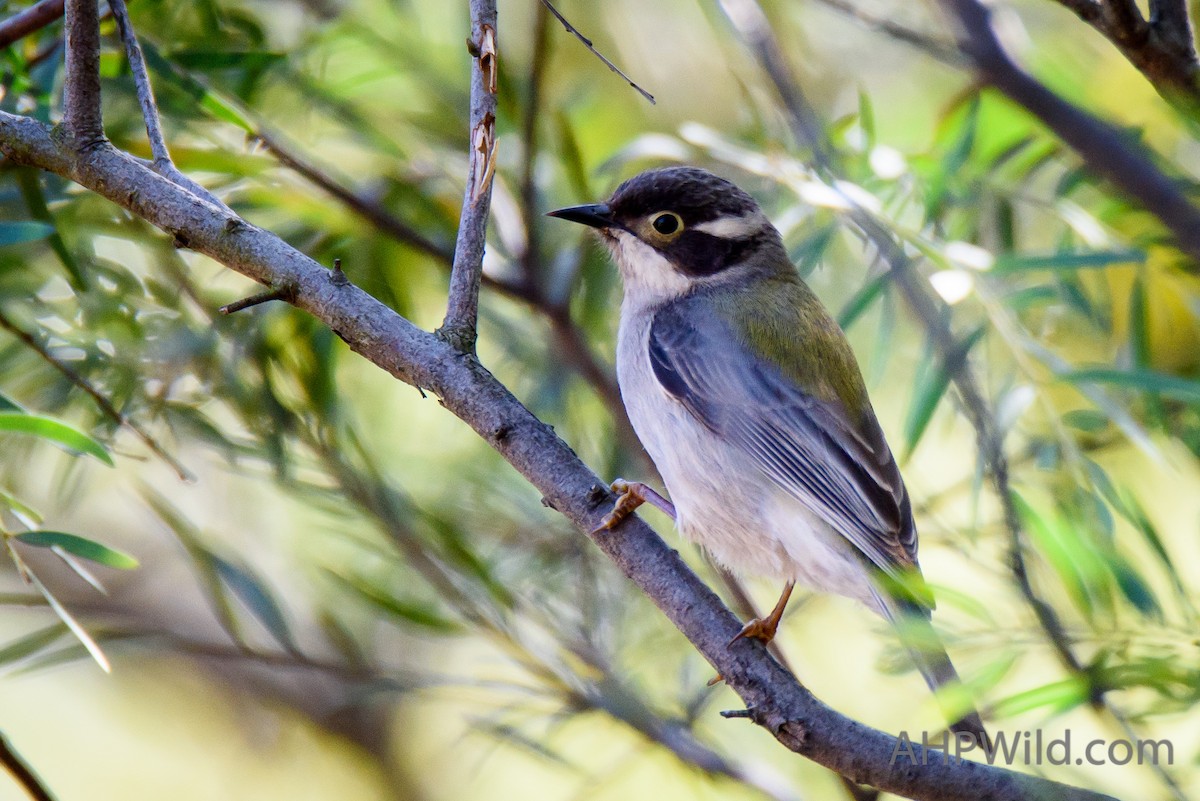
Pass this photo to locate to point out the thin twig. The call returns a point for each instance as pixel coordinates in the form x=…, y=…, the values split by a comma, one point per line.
x=462, y=309
x=531, y=115
x=34, y=18
x=163, y=164
x=21, y=772
x=943, y=51
x=103, y=402
x=81, y=89
x=254, y=300
x=752, y=25
x=370, y=210
x=571, y=29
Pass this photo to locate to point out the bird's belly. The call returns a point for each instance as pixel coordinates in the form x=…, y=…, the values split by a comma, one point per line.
x=727, y=505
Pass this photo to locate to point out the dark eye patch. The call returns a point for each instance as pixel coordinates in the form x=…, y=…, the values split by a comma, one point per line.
x=698, y=254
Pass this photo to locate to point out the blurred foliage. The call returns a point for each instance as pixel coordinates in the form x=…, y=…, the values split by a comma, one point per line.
x=354, y=554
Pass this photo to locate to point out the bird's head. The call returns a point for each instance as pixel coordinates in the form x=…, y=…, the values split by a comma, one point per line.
x=675, y=228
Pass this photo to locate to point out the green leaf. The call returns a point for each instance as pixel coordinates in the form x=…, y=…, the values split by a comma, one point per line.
x=30, y=516
x=930, y=386
x=1011, y=263
x=35, y=199
x=217, y=105
x=55, y=431
x=1057, y=541
x=862, y=300
x=251, y=592
x=31, y=643
x=15, y=233
x=420, y=614
x=79, y=546
x=1169, y=386
x=1135, y=588
x=1059, y=696
x=1089, y=421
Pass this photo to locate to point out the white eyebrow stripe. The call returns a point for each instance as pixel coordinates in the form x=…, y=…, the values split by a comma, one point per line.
x=732, y=227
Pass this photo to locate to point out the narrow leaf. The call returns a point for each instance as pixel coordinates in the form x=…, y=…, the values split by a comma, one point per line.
x=31, y=643
x=15, y=233
x=55, y=431
x=251, y=592
x=74, y=625
x=1169, y=386
x=930, y=388
x=79, y=546
x=1012, y=263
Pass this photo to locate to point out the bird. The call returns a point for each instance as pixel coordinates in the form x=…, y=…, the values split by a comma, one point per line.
x=747, y=396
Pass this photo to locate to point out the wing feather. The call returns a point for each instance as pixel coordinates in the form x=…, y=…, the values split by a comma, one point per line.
x=838, y=465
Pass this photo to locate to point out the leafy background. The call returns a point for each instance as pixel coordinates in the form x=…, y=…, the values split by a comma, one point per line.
x=339, y=589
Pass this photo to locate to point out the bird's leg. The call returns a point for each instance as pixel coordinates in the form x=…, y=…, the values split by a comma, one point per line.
x=631, y=495
x=764, y=628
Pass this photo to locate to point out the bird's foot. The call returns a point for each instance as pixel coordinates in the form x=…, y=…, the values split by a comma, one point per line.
x=631, y=495
x=760, y=628
x=764, y=628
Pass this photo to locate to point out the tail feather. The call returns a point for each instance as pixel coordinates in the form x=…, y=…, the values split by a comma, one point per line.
x=937, y=669
x=924, y=646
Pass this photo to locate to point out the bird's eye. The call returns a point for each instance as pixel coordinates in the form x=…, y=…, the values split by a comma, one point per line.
x=667, y=223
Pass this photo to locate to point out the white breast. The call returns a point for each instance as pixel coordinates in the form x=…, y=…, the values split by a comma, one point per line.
x=722, y=500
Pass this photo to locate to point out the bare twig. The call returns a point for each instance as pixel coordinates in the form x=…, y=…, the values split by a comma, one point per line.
x=752, y=26
x=21, y=772
x=254, y=300
x=81, y=91
x=462, y=310
x=101, y=400
x=946, y=52
x=368, y=209
x=34, y=18
x=571, y=29
x=776, y=700
x=145, y=94
x=530, y=116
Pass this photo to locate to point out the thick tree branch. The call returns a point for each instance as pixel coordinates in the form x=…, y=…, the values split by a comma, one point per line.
x=1163, y=48
x=462, y=311
x=81, y=90
x=776, y=700
x=34, y=18
x=1102, y=147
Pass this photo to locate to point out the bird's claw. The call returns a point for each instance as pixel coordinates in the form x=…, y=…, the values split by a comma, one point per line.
x=631, y=495
x=759, y=628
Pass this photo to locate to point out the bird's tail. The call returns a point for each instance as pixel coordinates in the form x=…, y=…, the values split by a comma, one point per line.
x=929, y=655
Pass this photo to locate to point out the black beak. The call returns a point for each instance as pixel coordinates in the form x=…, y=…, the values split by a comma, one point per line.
x=596, y=215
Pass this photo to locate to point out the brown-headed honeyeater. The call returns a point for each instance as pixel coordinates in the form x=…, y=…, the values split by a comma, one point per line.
x=747, y=396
